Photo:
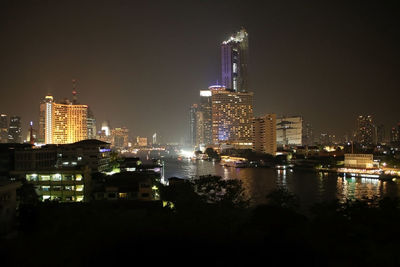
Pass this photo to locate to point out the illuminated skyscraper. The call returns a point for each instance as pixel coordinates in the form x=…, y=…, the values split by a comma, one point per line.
x=3, y=128
x=232, y=114
x=234, y=61
x=64, y=122
x=14, y=130
x=264, y=134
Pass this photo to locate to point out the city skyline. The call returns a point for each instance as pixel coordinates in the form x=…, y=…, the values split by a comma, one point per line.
x=329, y=72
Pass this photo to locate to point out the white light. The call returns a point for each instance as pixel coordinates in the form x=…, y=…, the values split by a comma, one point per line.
x=205, y=92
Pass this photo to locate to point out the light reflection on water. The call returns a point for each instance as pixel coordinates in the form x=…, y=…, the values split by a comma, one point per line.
x=309, y=187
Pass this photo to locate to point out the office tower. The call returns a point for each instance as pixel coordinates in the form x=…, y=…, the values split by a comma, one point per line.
x=45, y=117
x=193, y=124
x=264, y=134
x=308, y=136
x=3, y=128
x=289, y=130
x=91, y=125
x=14, y=130
x=64, y=122
x=232, y=114
x=155, y=139
x=119, y=137
x=206, y=109
x=234, y=61
x=365, y=130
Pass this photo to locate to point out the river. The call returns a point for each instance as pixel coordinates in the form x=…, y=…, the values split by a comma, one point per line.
x=308, y=186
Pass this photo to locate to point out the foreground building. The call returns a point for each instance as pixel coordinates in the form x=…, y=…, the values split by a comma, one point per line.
x=264, y=134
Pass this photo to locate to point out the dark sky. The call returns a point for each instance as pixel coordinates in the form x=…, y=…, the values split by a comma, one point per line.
x=141, y=64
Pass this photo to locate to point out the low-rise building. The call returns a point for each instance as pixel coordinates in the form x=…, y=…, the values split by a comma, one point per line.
x=365, y=161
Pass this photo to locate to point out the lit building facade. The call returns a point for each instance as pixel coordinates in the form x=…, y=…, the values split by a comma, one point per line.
x=264, y=134
x=193, y=124
x=365, y=130
x=14, y=130
x=289, y=130
x=141, y=141
x=234, y=61
x=232, y=114
x=119, y=137
x=63, y=123
x=3, y=128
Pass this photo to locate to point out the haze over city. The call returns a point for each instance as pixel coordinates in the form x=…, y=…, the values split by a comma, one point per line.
x=141, y=65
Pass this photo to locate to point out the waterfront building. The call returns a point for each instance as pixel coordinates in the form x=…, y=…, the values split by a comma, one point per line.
x=232, y=115
x=234, y=61
x=14, y=130
x=264, y=134
x=3, y=128
x=193, y=124
x=365, y=131
x=119, y=138
x=289, y=130
x=363, y=161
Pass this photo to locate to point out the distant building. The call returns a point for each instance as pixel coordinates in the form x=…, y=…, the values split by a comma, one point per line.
x=3, y=128
x=64, y=123
x=264, y=134
x=14, y=130
x=193, y=124
x=91, y=125
x=365, y=130
x=308, y=134
x=380, y=134
x=232, y=115
x=141, y=141
x=395, y=134
x=205, y=133
x=289, y=130
x=119, y=137
x=105, y=126
x=234, y=62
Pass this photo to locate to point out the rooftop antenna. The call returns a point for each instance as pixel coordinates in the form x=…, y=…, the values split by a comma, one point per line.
x=74, y=93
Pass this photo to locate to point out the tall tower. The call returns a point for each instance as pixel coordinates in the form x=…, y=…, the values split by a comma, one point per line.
x=365, y=130
x=234, y=62
x=264, y=134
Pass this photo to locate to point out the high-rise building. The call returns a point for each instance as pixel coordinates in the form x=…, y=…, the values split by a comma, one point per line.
x=308, y=135
x=119, y=137
x=289, y=130
x=234, y=61
x=91, y=125
x=395, y=134
x=3, y=128
x=232, y=114
x=365, y=130
x=264, y=134
x=380, y=134
x=193, y=124
x=14, y=130
x=64, y=122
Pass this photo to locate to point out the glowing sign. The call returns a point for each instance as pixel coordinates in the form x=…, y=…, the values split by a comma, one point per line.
x=205, y=92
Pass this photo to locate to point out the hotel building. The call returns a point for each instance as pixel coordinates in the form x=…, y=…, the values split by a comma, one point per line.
x=264, y=134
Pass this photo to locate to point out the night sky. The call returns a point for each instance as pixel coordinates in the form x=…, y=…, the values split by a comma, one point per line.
x=141, y=64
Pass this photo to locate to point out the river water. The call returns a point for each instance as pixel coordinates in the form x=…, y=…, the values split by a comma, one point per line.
x=309, y=187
